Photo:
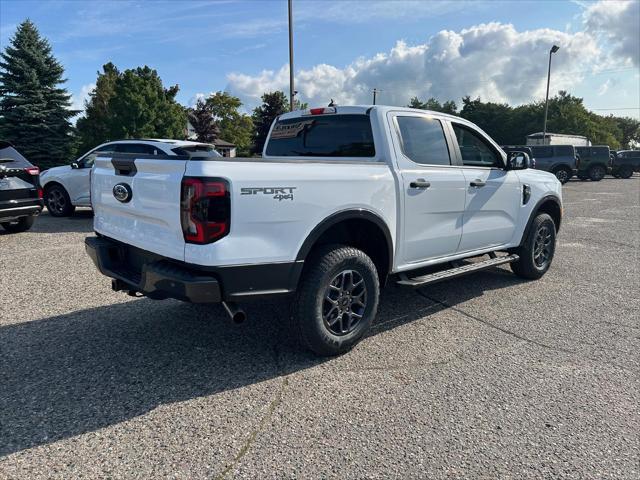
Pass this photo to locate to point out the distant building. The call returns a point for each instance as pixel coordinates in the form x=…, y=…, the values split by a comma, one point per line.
x=558, y=139
x=226, y=149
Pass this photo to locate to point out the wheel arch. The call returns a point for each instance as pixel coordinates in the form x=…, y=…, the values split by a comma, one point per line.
x=359, y=228
x=550, y=205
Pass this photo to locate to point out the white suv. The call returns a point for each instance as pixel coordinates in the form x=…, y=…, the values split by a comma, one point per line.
x=67, y=186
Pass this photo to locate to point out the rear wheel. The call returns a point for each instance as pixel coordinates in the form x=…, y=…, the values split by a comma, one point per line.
x=21, y=225
x=57, y=201
x=563, y=174
x=537, y=249
x=337, y=300
x=625, y=172
x=597, y=173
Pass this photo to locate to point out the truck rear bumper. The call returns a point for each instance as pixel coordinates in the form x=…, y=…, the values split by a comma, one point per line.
x=159, y=277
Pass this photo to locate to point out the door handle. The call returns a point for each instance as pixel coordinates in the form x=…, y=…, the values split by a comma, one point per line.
x=478, y=183
x=420, y=183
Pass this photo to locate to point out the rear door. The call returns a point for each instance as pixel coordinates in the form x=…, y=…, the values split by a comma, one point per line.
x=433, y=190
x=493, y=193
x=149, y=216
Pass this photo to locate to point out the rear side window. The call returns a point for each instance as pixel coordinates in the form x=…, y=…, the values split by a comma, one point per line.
x=322, y=136
x=197, y=151
x=542, y=152
x=564, y=151
x=137, y=148
x=423, y=140
x=584, y=152
x=11, y=158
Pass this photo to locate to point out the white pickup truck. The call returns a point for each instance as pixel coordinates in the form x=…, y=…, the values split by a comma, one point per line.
x=343, y=200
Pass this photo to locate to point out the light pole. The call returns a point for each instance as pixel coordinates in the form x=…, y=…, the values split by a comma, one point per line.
x=291, y=91
x=553, y=50
x=375, y=92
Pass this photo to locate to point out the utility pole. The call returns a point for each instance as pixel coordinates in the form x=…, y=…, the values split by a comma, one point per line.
x=291, y=90
x=553, y=50
x=375, y=91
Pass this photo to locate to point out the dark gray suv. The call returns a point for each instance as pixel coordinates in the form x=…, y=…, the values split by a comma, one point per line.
x=557, y=159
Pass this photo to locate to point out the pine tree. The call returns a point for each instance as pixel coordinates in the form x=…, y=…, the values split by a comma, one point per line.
x=34, y=110
x=203, y=123
x=273, y=104
x=93, y=126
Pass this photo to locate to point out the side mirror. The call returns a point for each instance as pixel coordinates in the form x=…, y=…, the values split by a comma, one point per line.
x=518, y=161
x=75, y=165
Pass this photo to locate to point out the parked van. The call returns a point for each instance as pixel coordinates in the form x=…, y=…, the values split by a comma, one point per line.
x=593, y=162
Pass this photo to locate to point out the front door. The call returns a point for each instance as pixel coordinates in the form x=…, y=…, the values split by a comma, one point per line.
x=493, y=194
x=433, y=190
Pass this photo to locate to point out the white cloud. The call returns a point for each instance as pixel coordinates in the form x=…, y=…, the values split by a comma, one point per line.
x=493, y=61
x=619, y=23
x=78, y=99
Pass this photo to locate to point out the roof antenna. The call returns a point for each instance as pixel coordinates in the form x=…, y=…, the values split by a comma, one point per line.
x=332, y=104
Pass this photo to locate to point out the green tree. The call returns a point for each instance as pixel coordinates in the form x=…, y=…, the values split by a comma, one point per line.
x=629, y=130
x=493, y=118
x=449, y=106
x=34, y=110
x=131, y=104
x=93, y=127
x=203, y=123
x=234, y=126
x=273, y=104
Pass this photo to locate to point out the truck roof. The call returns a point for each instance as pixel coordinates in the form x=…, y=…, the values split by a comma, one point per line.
x=363, y=109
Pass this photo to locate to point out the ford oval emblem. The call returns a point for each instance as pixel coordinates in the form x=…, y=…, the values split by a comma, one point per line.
x=122, y=192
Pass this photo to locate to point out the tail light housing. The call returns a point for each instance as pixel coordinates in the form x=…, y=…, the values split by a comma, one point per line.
x=40, y=193
x=32, y=170
x=205, y=209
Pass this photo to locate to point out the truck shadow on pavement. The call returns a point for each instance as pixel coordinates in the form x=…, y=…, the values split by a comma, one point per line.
x=75, y=373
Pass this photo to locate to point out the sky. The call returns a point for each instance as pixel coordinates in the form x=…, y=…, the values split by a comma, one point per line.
x=497, y=50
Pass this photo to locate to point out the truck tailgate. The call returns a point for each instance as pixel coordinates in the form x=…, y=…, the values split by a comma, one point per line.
x=150, y=217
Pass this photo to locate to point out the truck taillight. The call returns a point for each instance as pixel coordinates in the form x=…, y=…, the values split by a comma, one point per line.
x=205, y=209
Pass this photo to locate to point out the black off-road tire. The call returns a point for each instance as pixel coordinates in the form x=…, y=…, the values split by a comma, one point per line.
x=310, y=309
x=529, y=265
x=57, y=201
x=625, y=172
x=21, y=225
x=563, y=174
x=597, y=173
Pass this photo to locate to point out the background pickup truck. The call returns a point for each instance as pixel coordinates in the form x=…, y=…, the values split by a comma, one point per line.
x=343, y=200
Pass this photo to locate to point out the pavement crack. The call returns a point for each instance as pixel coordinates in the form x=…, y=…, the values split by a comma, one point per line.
x=275, y=403
x=494, y=326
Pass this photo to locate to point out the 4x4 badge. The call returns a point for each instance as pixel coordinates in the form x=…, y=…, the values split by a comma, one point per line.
x=122, y=192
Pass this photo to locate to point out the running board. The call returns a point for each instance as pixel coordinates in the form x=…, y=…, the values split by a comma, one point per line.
x=454, y=272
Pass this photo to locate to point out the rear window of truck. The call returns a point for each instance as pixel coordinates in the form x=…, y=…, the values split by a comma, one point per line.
x=10, y=158
x=322, y=136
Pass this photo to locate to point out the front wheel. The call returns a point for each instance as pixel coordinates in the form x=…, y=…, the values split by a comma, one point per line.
x=21, y=225
x=597, y=173
x=563, y=174
x=337, y=300
x=537, y=249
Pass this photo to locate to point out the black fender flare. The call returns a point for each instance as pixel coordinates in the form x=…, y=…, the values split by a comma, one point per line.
x=337, y=217
x=536, y=209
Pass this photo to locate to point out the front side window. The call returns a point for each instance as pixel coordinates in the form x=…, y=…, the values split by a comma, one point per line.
x=322, y=136
x=423, y=140
x=87, y=161
x=475, y=151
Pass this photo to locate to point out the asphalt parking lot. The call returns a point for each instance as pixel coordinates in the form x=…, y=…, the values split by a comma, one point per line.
x=486, y=376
